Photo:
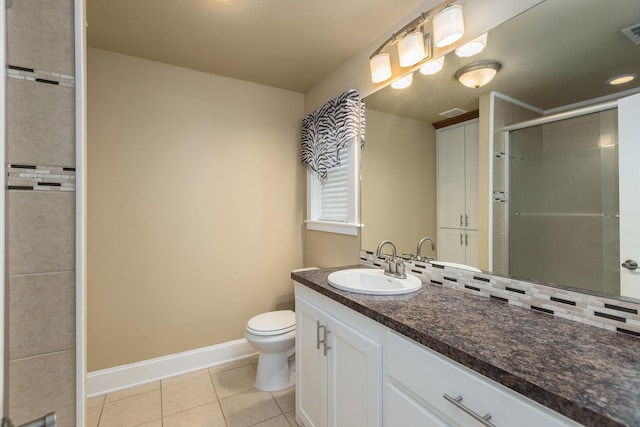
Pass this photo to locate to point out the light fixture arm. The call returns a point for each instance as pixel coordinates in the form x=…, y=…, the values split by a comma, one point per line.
x=411, y=26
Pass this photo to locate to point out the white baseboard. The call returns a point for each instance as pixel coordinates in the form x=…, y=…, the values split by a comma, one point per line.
x=133, y=374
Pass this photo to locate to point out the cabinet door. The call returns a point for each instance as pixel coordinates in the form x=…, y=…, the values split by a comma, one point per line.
x=451, y=177
x=471, y=175
x=451, y=245
x=311, y=366
x=471, y=248
x=355, y=377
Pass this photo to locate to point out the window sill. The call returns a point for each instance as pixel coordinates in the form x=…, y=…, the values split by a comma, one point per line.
x=350, y=229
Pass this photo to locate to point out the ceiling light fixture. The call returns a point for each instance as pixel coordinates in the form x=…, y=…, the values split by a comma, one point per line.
x=474, y=47
x=622, y=79
x=414, y=39
x=432, y=67
x=478, y=74
x=403, y=82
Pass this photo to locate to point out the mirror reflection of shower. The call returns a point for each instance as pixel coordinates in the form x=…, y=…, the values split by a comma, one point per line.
x=563, y=222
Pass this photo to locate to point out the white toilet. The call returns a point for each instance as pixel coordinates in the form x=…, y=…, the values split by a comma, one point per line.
x=274, y=335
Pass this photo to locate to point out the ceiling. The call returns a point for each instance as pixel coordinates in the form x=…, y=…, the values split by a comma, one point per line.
x=558, y=53
x=289, y=44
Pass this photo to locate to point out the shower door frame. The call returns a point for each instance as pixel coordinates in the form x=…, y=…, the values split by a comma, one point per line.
x=3, y=127
x=565, y=115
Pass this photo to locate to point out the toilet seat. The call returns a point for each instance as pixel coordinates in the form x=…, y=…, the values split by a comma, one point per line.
x=272, y=323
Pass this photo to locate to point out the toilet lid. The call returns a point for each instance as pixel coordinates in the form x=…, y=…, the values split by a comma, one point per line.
x=272, y=323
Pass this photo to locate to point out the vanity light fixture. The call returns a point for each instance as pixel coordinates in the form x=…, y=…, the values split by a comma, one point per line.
x=403, y=82
x=448, y=26
x=474, y=47
x=411, y=49
x=622, y=79
x=432, y=67
x=478, y=74
x=380, y=67
x=414, y=39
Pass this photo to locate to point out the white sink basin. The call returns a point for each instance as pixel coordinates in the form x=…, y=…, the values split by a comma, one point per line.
x=456, y=265
x=373, y=282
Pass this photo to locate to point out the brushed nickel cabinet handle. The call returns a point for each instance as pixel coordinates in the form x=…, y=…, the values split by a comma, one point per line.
x=318, y=341
x=457, y=402
x=324, y=340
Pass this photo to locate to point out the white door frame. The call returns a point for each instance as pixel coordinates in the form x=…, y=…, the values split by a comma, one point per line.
x=3, y=91
x=628, y=155
x=81, y=200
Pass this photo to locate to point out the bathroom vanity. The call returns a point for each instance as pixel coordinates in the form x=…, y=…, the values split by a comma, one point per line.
x=441, y=357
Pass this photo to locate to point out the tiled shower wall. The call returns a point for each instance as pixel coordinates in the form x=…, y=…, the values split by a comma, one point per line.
x=40, y=211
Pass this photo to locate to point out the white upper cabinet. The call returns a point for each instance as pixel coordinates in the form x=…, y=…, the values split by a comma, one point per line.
x=458, y=193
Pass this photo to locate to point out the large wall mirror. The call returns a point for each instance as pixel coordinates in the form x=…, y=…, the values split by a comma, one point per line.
x=547, y=208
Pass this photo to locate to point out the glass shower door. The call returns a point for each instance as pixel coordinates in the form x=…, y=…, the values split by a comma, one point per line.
x=563, y=205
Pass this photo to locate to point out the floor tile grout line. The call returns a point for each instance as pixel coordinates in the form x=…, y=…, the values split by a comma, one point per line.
x=276, y=400
x=130, y=396
x=161, y=407
x=279, y=415
x=191, y=408
x=101, y=410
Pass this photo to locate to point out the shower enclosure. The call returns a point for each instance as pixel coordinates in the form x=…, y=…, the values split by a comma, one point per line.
x=563, y=202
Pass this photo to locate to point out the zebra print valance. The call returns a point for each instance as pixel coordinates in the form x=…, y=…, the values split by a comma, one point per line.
x=330, y=129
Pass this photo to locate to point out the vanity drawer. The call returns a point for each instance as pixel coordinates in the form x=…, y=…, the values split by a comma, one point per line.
x=424, y=377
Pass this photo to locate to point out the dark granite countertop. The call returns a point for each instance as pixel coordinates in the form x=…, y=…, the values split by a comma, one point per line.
x=585, y=373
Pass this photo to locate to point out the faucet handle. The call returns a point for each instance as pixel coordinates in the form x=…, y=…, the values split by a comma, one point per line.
x=412, y=257
x=400, y=268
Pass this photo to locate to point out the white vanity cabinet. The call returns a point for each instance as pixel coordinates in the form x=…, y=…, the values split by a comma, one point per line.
x=423, y=388
x=458, y=193
x=352, y=371
x=338, y=368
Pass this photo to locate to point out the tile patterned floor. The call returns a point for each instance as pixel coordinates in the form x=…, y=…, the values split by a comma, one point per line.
x=221, y=396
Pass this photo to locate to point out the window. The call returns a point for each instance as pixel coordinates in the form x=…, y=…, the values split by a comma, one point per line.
x=333, y=206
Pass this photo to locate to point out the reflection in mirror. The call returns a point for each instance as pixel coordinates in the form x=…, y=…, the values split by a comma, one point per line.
x=556, y=57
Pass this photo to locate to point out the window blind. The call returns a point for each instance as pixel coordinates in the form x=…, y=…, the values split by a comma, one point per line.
x=334, y=193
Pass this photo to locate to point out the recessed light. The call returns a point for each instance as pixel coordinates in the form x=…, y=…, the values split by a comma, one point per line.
x=622, y=79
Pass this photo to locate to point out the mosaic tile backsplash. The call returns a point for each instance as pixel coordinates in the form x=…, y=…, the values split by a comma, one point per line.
x=602, y=312
x=30, y=74
x=40, y=178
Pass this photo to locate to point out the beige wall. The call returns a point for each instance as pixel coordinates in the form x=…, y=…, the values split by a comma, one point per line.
x=354, y=73
x=195, y=196
x=398, y=172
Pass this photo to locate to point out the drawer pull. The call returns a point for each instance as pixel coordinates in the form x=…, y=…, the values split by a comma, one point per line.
x=322, y=341
x=457, y=401
x=318, y=342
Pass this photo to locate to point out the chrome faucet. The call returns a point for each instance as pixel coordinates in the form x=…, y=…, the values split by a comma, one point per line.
x=395, y=265
x=419, y=256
